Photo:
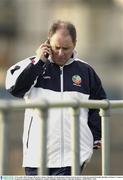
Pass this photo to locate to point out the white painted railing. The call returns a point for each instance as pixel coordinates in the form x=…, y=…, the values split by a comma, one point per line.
x=17, y=105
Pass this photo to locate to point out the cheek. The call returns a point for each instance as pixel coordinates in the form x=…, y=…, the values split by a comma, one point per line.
x=55, y=53
x=69, y=54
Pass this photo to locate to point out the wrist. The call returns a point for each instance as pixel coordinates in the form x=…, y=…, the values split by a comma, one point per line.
x=43, y=59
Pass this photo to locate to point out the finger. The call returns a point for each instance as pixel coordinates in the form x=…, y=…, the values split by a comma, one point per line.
x=45, y=45
x=47, y=51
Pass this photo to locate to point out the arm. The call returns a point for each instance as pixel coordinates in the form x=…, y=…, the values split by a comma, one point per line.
x=23, y=75
x=96, y=92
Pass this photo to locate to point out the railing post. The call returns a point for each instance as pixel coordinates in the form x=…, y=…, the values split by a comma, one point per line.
x=4, y=142
x=43, y=170
x=75, y=133
x=105, y=113
x=1, y=141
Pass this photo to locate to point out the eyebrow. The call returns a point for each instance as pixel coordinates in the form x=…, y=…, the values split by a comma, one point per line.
x=64, y=47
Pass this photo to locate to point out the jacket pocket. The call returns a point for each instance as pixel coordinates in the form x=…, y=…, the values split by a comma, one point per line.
x=27, y=143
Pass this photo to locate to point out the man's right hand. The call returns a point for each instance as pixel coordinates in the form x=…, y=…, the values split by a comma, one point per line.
x=43, y=50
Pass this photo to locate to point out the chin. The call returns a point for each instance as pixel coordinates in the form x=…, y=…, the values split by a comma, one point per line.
x=60, y=63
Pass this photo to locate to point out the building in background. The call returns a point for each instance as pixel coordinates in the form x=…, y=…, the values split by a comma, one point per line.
x=24, y=25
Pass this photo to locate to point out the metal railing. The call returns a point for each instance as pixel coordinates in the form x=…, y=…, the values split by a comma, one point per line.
x=104, y=106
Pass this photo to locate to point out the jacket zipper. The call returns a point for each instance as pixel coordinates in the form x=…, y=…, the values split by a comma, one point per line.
x=61, y=80
x=62, y=123
x=27, y=143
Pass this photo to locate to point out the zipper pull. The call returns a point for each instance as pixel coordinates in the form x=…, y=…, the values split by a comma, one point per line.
x=61, y=69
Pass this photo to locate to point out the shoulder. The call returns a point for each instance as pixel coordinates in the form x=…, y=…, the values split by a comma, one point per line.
x=83, y=63
x=87, y=68
x=25, y=61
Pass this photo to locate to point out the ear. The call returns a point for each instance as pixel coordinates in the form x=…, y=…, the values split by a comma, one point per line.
x=49, y=35
x=75, y=43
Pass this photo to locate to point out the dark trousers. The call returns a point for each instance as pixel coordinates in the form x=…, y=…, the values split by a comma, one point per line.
x=63, y=171
x=51, y=171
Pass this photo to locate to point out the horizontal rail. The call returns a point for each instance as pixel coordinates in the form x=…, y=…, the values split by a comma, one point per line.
x=44, y=105
x=92, y=104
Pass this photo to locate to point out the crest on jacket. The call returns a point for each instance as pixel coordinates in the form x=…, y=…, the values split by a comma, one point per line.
x=76, y=80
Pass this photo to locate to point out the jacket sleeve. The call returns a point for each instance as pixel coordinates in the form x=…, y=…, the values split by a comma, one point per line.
x=23, y=75
x=96, y=92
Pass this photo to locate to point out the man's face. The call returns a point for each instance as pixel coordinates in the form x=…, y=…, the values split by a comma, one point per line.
x=62, y=47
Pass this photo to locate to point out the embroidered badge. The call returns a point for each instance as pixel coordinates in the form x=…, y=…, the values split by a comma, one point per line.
x=15, y=69
x=33, y=61
x=47, y=77
x=76, y=80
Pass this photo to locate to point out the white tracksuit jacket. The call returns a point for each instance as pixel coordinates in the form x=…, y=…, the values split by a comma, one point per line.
x=32, y=79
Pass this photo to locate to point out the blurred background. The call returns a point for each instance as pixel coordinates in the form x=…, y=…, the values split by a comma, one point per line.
x=99, y=23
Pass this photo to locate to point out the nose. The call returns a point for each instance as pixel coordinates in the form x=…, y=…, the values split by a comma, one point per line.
x=61, y=52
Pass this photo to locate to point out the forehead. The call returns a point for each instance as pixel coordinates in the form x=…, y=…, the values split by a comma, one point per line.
x=61, y=38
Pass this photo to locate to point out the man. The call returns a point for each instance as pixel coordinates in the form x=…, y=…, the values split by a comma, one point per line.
x=56, y=73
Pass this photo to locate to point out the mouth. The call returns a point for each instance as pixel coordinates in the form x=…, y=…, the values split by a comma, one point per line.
x=63, y=57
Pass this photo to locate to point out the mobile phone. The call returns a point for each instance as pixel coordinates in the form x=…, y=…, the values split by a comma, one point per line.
x=47, y=42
